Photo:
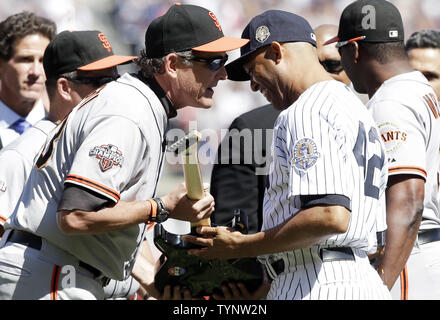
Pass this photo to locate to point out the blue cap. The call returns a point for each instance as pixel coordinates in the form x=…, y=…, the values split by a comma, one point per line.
x=262, y=30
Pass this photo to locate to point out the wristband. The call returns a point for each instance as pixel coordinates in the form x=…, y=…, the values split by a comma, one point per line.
x=159, y=213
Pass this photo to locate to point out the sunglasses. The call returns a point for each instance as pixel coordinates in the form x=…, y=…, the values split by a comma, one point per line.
x=332, y=66
x=96, y=82
x=214, y=63
x=344, y=43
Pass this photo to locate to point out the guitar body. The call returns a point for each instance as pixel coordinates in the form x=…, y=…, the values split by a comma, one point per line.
x=201, y=276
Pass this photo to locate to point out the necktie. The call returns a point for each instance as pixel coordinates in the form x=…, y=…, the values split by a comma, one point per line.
x=20, y=126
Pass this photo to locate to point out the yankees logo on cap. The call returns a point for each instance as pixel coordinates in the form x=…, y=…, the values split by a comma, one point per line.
x=262, y=34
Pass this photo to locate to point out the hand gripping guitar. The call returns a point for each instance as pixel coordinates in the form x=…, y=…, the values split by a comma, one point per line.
x=201, y=276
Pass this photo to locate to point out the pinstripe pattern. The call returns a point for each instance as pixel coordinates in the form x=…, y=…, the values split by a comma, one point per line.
x=308, y=278
x=344, y=133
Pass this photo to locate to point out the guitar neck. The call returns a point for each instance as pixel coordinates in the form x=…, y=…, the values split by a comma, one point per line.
x=193, y=180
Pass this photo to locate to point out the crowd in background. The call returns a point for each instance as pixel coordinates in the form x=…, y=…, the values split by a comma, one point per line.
x=125, y=21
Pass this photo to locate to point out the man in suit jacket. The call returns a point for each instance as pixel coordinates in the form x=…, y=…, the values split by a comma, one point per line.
x=238, y=177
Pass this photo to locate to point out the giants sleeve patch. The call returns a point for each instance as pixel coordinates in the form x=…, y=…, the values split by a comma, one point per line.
x=392, y=136
x=305, y=154
x=108, y=156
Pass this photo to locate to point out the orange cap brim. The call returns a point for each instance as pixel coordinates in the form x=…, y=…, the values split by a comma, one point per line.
x=332, y=40
x=107, y=62
x=222, y=44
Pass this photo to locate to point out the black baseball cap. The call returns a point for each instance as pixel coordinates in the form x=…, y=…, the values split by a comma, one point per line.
x=187, y=27
x=80, y=50
x=262, y=30
x=369, y=21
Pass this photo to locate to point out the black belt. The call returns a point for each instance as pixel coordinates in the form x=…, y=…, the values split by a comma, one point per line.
x=33, y=241
x=426, y=236
x=326, y=255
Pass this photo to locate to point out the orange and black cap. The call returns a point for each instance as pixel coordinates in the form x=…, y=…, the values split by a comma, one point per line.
x=376, y=21
x=80, y=50
x=187, y=27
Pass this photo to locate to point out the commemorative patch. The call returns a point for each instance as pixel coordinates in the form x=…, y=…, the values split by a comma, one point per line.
x=305, y=154
x=262, y=33
x=108, y=156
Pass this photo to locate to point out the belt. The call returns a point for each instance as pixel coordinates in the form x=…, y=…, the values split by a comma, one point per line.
x=426, y=236
x=33, y=241
x=326, y=255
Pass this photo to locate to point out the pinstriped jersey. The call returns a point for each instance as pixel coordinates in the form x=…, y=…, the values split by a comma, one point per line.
x=16, y=160
x=111, y=145
x=327, y=151
x=406, y=112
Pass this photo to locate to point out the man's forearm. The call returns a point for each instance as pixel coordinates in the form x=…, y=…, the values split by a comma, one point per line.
x=404, y=212
x=308, y=227
x=120, y=216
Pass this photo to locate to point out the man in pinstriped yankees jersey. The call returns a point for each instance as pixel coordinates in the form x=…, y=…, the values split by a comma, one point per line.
x=406, y=110
x=327, y=181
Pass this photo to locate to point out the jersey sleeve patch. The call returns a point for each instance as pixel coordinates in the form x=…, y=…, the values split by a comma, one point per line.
x=305, y=154
x=392, y=136
x=109, y=156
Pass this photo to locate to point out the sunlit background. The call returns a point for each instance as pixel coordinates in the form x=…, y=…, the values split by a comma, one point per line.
x=125, y=21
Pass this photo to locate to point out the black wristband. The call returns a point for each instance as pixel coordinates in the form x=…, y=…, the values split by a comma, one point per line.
x=162, y=212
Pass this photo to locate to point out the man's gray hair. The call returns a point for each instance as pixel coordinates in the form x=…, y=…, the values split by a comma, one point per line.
x=150, y=66
x=427, y=38
x=51, y=82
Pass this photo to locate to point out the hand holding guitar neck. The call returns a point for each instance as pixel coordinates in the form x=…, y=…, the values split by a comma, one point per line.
x=187, y=146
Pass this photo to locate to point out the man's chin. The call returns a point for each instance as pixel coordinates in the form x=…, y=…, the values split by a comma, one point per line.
x=31, y=95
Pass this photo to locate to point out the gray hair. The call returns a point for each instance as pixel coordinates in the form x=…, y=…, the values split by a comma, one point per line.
x=427, y=38
x=51, y=82
x=151, y=66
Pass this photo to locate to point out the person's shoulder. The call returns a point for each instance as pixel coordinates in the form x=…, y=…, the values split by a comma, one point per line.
x=400, y=88
x=260, y=117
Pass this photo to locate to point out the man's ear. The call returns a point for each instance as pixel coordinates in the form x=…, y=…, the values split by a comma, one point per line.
x=64, y=89
x=170, y=63
x=354, y=51
x=276, y=52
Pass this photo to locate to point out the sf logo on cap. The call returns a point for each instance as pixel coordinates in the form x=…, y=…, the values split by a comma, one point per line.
x=262, y=34
x=105, y=42
x=213, y=17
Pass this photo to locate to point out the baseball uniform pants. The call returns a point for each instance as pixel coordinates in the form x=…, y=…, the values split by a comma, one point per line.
x=46, y=273
x=325, y=274
x=420, y=280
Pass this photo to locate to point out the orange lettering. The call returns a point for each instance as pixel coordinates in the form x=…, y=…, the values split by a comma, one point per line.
x=390, y=135
x=213, y=17
x=105, y=42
